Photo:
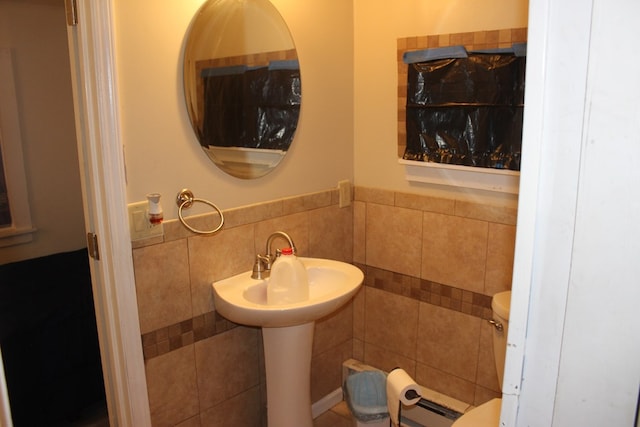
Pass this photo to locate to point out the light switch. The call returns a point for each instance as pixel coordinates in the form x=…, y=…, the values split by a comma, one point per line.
x=344, y=192
x=139, y=225
x=140, y=221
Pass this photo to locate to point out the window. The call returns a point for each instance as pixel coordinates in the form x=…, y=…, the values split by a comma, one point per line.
x=465, y=108
x=253, y=107
x=5, y=209
x=420, y=166
x=15, y=215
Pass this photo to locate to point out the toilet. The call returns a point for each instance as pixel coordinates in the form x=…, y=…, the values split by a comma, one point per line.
x=488, y=414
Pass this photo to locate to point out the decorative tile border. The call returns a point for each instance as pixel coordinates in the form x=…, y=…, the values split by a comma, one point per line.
x=178, y=335
x=190, y=331
x=173, y=337
x=463, y=301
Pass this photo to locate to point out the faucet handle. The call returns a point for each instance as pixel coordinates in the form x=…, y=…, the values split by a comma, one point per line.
x=260, y=271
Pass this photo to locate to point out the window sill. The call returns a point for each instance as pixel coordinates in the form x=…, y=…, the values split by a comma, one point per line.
x=499, y=180
x=15, y=236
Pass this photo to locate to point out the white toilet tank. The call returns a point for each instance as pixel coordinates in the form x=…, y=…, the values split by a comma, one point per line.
x=500, y=304
x=488, y=414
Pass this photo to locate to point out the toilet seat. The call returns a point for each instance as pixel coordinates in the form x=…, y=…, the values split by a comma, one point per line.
x=485, y=415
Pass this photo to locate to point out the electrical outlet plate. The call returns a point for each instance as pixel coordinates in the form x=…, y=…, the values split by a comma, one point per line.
x=344, y=191
x=139, y=224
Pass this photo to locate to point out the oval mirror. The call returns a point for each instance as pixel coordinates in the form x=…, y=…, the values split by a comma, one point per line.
x=242, y=85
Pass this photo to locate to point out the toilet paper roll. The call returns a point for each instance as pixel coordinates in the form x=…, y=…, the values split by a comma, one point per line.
x=401, y=389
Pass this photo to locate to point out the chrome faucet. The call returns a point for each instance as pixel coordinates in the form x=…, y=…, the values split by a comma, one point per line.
x=262, y=265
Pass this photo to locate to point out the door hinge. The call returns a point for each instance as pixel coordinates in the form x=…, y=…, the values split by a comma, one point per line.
x=92, y=246
x=72, y=12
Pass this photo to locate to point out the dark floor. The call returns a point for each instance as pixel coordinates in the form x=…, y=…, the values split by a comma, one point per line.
x=95, y=416
x=49, y=340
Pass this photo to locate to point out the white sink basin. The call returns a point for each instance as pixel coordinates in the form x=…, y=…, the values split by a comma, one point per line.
x=243, y=300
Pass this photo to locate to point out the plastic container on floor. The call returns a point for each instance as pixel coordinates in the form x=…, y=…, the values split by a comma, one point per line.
x=366, y=396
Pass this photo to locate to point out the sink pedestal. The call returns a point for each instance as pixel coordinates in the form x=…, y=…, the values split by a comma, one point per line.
x=287, y=356
x=287, y=330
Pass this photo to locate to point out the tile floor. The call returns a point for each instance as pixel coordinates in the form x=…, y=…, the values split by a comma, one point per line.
x=338, y=416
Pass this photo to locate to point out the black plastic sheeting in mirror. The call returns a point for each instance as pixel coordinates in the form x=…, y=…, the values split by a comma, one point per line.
x=255, y=108
x=466, y=111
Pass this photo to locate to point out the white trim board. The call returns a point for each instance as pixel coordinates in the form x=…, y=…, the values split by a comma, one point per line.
x=499, y=180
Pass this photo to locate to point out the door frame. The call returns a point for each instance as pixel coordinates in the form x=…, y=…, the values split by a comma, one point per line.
x=100, y=149
x=103, y=181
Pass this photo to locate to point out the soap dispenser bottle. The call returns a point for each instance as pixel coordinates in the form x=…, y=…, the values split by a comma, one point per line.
x=288, y=282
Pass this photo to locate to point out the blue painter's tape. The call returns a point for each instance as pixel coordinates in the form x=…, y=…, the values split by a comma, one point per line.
x=435, y=53
x=290, y=64
x=517, y=49
x=223, y=71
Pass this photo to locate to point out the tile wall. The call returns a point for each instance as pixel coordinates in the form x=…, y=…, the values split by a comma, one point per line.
x=431, y=266
x=203, y=370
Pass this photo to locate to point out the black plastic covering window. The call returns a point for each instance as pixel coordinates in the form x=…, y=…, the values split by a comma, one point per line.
x=466, y=111
x=251, y=107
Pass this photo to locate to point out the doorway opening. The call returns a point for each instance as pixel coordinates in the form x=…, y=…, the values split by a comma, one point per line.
x=48, y=333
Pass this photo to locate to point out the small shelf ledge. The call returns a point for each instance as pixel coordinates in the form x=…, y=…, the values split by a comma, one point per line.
x=12, y=236
x=499, y=180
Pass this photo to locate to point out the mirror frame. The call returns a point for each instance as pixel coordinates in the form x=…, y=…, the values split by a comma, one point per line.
x=218, y=52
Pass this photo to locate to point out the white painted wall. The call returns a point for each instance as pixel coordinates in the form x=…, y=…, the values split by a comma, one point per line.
x=377, y=26
x=162, y=153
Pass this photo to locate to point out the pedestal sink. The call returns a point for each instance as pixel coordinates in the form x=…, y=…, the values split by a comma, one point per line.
x=287, y=330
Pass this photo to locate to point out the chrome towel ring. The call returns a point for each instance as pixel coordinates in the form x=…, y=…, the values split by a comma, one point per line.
x=185, y=200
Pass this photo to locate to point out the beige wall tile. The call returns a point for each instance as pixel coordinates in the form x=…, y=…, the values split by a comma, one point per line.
x=326, y=370
x=387, y=360
x=244, y=409
x=295, y=225
x=487, y=376
x=455, y=251
x=374, y=195
x=307, y=202
x=500, y=251
x=253, y=213
x=483, y=395
x=174, y=230
x=210, y=220
x=358, y=314
x=391, y=321
x=191, y=422
x=359, y=235
x=447, y=384
x=393, y=238
x=172, y=387
x=446, y=350
x=486, y=212
x=227, y=364
x=448, y=341
x=162, y=284
x=330, y=231
x=358, y=350
x=333, y=330
x=425, y=203
x=217, y=257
